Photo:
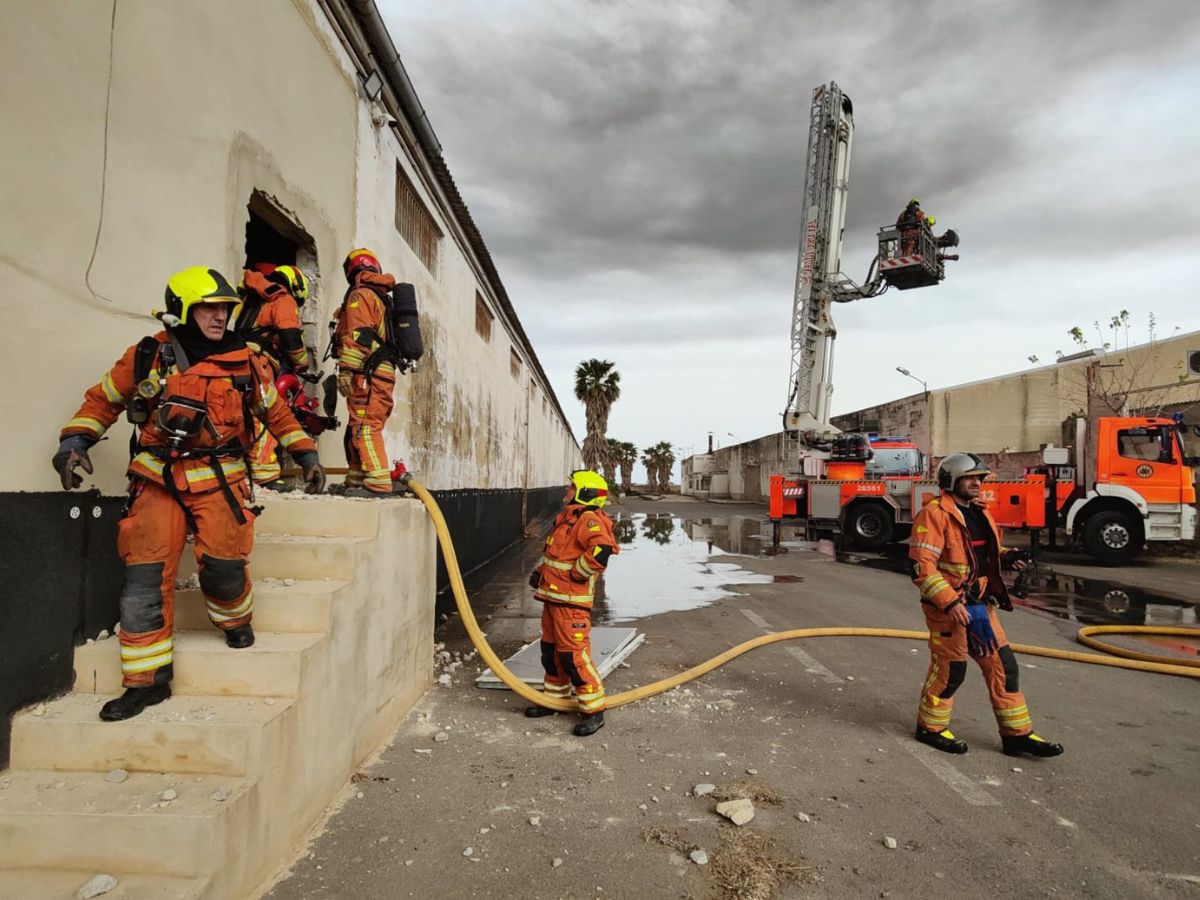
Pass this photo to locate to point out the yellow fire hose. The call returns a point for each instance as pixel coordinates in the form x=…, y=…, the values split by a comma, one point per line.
x=1141, y=662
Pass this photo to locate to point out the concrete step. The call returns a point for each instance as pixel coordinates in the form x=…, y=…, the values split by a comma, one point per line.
x=192, y=734
x=303, y=606
x=63, y=883
x=77, y=820
x=204, y=665
x=300, y=557
x=325, y=516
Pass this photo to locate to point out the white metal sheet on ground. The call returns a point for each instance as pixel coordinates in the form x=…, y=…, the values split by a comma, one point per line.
x=610, y=646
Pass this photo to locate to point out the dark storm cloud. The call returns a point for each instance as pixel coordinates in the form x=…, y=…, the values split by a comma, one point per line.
x=625, y=131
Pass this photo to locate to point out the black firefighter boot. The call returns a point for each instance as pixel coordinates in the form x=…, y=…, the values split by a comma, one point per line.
x=240, y=637
x=941, y=740
x=133, y=701
x=1015, y=745
x=537, y=712
x=589, y=724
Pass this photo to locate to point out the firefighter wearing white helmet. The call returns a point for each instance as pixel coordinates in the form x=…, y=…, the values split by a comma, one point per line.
x=957, y=555
x=577, y=551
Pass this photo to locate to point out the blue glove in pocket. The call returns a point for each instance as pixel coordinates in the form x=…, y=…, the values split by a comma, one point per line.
x=981, y=639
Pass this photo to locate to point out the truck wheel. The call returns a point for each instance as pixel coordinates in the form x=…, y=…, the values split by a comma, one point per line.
x=869, y=525
x=1112, y=537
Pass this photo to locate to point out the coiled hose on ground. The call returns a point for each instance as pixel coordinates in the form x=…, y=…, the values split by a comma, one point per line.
x=1139, y=662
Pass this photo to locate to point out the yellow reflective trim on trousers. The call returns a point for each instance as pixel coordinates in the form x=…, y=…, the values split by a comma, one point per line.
x=224, y=613
x=110, y=390
x=86, y=422
x=589, y=702
x=369, y=446
x=591, y=669
x=149, y=650
x=154, y=662
x=555, y=564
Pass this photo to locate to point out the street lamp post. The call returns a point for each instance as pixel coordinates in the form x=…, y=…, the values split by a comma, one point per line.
x=904, y=371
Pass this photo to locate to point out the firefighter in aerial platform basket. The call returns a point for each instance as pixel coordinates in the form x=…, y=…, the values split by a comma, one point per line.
x=957, y=555
x=197, y=402
x=376, y=334
x=911, y=220
x=577, y=551
x=269, y=322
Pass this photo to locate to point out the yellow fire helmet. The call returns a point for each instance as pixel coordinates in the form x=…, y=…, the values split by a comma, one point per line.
x=590, y=488
x=197, y=285
x=292, y=279
x=914, y=202
x=931, y=221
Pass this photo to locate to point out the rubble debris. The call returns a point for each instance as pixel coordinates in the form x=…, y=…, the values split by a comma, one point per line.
x=890, y=843
x=703, y=790
x=699, y=857
x=99, y=884
x=116, y=776
x=739, y=811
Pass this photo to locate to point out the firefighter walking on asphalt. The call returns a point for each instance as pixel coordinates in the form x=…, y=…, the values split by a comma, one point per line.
x=197, y=401
x=269, y=322
x=366, y=377
x=577, y=551
x=957, y=554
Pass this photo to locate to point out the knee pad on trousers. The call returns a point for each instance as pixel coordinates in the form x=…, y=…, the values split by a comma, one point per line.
x=1012, y=672
x=222, y=579
x=141, y=598
x=567, y=661
x=958, y=674
x=548, y=662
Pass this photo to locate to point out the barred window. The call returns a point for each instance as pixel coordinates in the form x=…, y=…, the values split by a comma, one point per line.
x=514, y=363
x=483, y=318
x=414, y=222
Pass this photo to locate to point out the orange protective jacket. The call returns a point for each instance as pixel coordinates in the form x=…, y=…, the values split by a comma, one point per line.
x=573, y=557
x=943, y=562
x=274, y=329
x=215, y=382
x=362, y=323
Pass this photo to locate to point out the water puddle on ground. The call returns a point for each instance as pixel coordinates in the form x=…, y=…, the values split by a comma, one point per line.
x=669, y=563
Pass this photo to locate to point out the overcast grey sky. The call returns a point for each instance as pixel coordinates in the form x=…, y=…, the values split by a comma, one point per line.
x=637, y=168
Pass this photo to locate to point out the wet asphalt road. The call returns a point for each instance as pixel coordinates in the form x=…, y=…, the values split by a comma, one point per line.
x=825, y=727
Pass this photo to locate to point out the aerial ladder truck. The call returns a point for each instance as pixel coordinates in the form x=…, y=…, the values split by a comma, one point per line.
x=1127, y=483
x=830, y=466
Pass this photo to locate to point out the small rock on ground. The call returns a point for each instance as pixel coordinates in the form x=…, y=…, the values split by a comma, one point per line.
x=699, y=857
x=116, y=776
x=890, y=843
x=739, y=812
x=168, y=795
x=556, y=862
x=703, y=790
x=441, y=737
x=803, y=817
x=100, y=884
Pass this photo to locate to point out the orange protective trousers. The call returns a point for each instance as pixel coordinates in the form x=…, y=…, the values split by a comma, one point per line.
x=948, y=669
x=370, y=403
x=150, y=540
x=567, y=656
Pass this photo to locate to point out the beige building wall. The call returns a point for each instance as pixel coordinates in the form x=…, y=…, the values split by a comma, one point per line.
x=112, y=181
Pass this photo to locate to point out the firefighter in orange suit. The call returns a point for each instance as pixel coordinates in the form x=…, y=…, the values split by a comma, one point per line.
x=957, y=555
x=911, y=220
x=366, y=377
x=198, y=402
x=577, y=551
x=269, y=322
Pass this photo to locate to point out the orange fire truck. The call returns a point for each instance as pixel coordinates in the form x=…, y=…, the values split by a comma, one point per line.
x=1134, y=485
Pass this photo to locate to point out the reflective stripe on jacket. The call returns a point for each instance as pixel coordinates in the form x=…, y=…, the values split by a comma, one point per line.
x=943, y=562
x=210, y=382
x=569, y=565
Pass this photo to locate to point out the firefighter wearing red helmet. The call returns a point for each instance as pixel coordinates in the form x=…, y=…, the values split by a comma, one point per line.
x=270, y=324
x=196, y=400
x=957, y=555
x=365, y=378
x=577, y=551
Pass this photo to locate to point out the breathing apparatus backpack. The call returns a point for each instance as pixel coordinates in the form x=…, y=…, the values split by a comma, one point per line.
x=403, y=345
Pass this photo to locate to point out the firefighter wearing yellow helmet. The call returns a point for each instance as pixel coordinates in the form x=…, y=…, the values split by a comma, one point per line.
x=194, y=396
x=270, y=324
x=577, y=551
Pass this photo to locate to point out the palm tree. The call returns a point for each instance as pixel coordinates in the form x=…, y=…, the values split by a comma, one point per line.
x=665, y=456
x=612, y=454
x=650, y=461
x=626, y=458
x=597, y=387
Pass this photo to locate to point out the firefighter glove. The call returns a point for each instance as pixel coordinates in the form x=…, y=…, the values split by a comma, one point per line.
x=313, y=473
x=535, y=579
x=72, y=454
x=345, y=381
x=1009, y=558
x=981, y=639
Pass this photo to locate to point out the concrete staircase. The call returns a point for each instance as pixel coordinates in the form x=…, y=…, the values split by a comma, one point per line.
x=254, y=743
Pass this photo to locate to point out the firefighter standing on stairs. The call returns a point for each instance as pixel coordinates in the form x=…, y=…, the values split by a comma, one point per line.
x=270, y=324
x=957, y=554
x=196, y=400
x=577, y=550
x=365, y=378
